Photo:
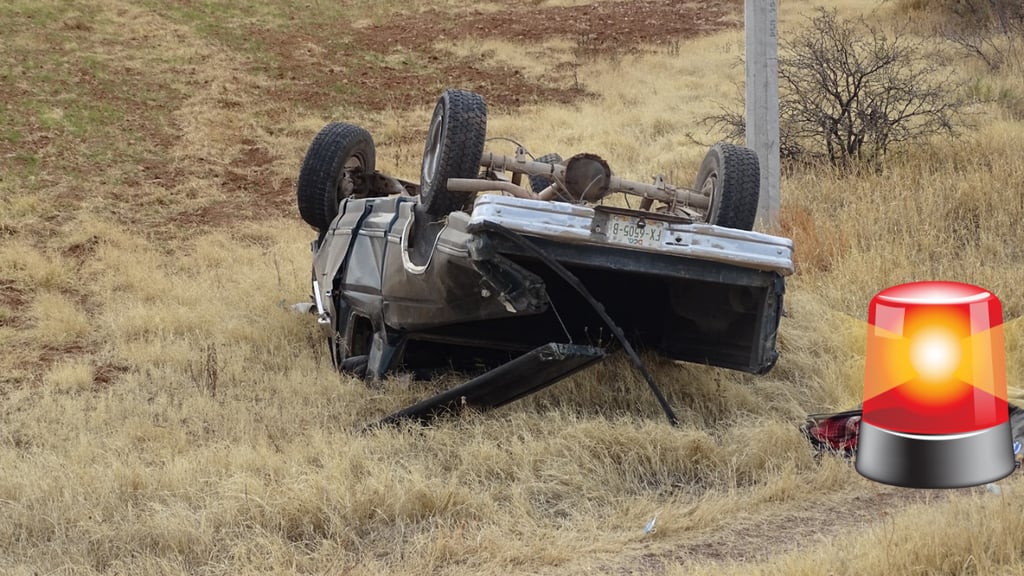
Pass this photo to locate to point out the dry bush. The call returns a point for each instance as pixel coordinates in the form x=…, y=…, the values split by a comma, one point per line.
x=849, y=93
x=991, y=31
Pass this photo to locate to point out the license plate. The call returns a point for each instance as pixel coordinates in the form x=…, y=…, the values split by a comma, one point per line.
x=634, y=231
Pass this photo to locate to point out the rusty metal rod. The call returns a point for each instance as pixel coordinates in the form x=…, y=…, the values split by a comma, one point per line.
x=668, y=194
x=549, y=193
x=478, y=185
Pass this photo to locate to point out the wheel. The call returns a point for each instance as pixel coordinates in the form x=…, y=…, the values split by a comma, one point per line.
x=538, y=183
x=337, y=165
x=732, y=177
x=455, y=144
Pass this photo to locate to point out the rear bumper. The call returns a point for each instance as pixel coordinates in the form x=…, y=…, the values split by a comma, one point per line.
x=571, y=223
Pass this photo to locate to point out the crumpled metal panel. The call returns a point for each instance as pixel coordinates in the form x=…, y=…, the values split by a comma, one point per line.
x=450, y=287
x=575, y=223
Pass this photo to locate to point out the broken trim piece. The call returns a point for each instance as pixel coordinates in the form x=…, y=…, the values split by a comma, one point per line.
x=525, y=375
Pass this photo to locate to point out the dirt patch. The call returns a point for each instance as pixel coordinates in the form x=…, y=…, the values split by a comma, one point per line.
x=13, y=302
x=78, y=120
x=106, y=375
x=249, y=177
x=398, y=65
x=253, y=190
x=83, y=250
x=357, y=76
x=757, y=538
x=603, y=27
x=313, y=65
x=767, y=537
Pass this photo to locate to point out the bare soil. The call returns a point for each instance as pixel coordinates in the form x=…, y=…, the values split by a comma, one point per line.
x=598, y=29
x=756, y=539
x=317, y=66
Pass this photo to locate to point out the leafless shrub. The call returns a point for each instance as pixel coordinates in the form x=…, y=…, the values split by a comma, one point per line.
x=849, y=92
x=989, y=30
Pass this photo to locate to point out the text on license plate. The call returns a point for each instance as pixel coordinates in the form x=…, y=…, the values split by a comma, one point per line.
x=634, y=231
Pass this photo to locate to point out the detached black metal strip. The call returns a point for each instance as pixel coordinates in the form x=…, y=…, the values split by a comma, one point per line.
x=579, y=287
x=509, y=382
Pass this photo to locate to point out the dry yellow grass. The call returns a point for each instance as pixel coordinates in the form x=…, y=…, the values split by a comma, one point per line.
x=161, y=412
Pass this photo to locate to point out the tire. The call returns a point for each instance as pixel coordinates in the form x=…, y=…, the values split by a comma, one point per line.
x=538, y=183
x=733, y=177
x=338, y=159
x=455, y=144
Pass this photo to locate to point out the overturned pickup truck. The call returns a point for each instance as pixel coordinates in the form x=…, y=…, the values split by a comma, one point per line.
x=517, y=268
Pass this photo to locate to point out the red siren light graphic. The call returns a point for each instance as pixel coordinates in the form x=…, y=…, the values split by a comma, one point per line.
x=935, y=409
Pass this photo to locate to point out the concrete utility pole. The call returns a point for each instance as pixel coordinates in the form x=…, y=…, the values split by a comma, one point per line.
x=760, y=18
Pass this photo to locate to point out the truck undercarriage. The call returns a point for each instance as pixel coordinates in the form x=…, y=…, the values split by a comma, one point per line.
x=472, y=270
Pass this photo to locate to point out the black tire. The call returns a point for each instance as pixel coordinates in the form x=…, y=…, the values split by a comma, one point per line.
x=455, y=144
x=538, y=183
x=337, y=165
x=733, y=177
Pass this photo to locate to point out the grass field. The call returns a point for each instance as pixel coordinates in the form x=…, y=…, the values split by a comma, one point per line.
x=162, y=412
